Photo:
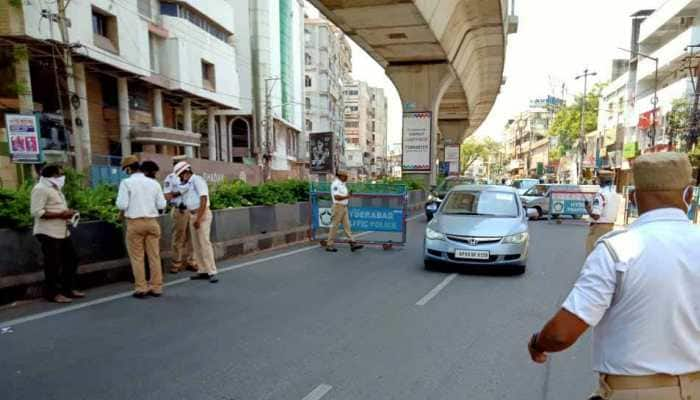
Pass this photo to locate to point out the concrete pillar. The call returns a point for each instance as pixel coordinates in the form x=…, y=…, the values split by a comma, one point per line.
x=23, y=79
x=83, y=129
x=211, y=124
x=157, y=107
x=225, y=139
x=421, y=88
x=123, y=94
x=187, y=113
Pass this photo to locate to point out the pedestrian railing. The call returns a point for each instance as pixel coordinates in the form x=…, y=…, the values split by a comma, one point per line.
x=377, y=209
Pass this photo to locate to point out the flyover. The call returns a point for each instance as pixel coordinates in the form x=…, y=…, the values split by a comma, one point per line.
x=444, y=56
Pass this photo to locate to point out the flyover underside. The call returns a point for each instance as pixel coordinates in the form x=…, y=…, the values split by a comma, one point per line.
x=444, y=56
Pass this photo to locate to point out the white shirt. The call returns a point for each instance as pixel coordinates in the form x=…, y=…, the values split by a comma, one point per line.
x=651, y=325
x=193, y=191
x=172, y=184
x=606, y=204
x=339, y=188
x=140, y=197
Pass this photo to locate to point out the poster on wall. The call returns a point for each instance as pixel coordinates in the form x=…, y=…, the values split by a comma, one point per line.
x=23, y=138
x=452, y=157
x=416, y=141
x=321, y=152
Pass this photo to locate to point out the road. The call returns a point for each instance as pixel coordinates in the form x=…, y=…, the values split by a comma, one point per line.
x=305, y=324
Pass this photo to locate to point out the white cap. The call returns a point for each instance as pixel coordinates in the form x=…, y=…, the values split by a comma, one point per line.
x=180, y=167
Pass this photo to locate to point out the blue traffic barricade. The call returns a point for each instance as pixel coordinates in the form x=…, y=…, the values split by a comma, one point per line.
x=377, y=209
x=569, y=202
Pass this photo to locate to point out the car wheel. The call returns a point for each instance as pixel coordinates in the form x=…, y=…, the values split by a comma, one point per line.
x=540, y=214
x=429, y=264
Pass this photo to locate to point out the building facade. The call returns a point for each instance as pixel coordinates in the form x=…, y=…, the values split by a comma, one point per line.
x=377, y=137
x=327, y=63
x=527, y=144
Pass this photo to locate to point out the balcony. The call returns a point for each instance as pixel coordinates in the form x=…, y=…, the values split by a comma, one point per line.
x=163, y=135
x=670, y=55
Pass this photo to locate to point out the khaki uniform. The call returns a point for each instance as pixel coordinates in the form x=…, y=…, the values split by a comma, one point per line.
x=183, y=254
x=340, y=216
x=201, y=238
x=144, y=234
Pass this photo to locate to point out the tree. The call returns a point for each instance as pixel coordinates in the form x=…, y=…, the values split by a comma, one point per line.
x=678, y=120
x=473, y=150
x=567, y=122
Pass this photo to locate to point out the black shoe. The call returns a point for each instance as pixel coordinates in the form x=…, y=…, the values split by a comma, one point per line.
x=199, y=277
x=140, y=295
x=155, y=294
x=355, y=247
x=331, y=249
x=213, y=279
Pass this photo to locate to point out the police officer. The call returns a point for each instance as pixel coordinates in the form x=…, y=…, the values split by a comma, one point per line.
x=604, y=209
x=183, y=257
x=639, y=290
x=340, y=196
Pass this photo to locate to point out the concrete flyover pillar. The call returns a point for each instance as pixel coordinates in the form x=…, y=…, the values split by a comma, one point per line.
x=157, y=107
x=124, y=124
x=187, y=121
x=211, y=125
x=421, y=87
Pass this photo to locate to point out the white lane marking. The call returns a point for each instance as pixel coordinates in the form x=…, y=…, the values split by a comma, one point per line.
x=319, y=392
x=435, y=290
x=75, y=307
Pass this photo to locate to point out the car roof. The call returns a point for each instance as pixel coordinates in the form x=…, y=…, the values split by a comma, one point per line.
x=484, y=188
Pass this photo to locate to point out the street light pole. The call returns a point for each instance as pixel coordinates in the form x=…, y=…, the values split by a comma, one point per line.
x=267, y=154
x=582, y=152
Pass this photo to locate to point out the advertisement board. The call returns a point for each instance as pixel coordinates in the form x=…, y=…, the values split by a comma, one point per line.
x=375, y=219
x=417, y=132
x=23, y=138
x=569, y=202
x=452, y=156
x=321, y=152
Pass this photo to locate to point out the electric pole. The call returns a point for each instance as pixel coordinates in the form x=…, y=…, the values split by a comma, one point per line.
x=269, y=132
x=582, y=152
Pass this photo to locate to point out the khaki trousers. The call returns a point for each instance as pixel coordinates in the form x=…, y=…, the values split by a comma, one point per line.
x=595, y=232
x=182, y=240
x=201, y=244
x=340, y=216
x=144, y=234
x=655, y=387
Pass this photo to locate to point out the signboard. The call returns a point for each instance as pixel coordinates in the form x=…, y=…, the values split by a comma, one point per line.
x=549, y=101
x=321, y=152
x=452, y=156
x=374, y=219
x=569, y=202
x=417, y=132
x=629, y=150
x=23, y=138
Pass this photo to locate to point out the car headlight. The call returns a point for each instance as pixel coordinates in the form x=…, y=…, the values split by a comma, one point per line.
x=519, y=238
x=431, y=234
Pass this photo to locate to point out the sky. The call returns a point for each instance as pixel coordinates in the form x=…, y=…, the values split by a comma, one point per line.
x=556, y=40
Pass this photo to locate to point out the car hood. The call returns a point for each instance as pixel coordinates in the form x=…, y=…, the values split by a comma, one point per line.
x=472, y=225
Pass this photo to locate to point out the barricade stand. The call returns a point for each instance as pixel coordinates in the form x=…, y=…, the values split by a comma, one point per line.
x=569, y=202
x=376, y=209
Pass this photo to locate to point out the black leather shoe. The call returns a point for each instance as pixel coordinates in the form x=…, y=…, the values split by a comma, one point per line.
x=155, y=294
x=213, y=279
x=199, y=277
x=331, y=249
x=355, y=247
x=140, y=295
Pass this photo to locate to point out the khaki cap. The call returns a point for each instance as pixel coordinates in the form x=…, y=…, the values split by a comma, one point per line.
x=606, y=173
x=128, y=160
x=342, y=173
x=661, y=172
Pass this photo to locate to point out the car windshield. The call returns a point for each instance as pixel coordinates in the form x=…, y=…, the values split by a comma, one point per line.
x=449, y=184
x=537, y=190
x=496, y=204
x=524, y=184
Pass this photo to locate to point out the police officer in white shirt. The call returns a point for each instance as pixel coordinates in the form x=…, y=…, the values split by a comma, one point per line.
x=340, y=196
x=140, y=199
x=195, y=196
x=604, y=209
x=639, y=290
x=183, y=257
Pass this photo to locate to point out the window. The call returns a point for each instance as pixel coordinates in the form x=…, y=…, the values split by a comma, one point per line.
x=208, y=76
x=307, y=59
x=352, y=124
x=307, y=103
x=168, y=9
x=104, y=29
x=307, y=81
x=309, y=125
x=307, y=36
x=201, y=21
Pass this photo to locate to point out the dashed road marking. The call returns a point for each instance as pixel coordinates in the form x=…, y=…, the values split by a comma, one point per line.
x=319, y=392
x=423, y=301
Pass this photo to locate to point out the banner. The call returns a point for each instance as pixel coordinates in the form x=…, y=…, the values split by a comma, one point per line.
x=417, y=132
x=452, y=157
x=569, y=202
x=374, y=219
x=23, y=138
x=321, y=149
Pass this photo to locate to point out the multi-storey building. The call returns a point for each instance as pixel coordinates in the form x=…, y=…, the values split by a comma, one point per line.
x=356, y=96
x=327, y=63
x=527, y=143
x=147, y=77
x=377, y=136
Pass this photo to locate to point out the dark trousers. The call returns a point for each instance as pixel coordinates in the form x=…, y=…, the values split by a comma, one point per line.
x=60, y=265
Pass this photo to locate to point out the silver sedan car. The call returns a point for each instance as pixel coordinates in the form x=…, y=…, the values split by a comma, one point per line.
x=480, y=226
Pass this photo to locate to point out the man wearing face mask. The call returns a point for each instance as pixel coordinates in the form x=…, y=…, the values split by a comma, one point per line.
x=51, y=217
x=639, y=290
x=603, y=211
x=195, y=197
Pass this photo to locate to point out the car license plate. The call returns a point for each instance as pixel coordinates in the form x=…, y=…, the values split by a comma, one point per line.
x=472, y=255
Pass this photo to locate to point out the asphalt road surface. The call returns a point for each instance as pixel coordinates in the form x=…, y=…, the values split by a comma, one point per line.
x=308, y=325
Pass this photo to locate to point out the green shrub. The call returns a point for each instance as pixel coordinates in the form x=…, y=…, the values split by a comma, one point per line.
x=14, y=207
x=240, y=194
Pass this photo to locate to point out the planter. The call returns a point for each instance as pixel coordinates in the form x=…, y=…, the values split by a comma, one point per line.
x=230, y=223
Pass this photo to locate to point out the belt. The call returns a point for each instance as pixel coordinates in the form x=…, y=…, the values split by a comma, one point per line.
x=620, y=382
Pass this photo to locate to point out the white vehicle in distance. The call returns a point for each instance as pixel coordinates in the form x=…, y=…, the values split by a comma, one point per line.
x=523, y=185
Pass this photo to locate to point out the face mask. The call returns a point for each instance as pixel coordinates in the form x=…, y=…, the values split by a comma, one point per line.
x=58, y=181
x=685, y=196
